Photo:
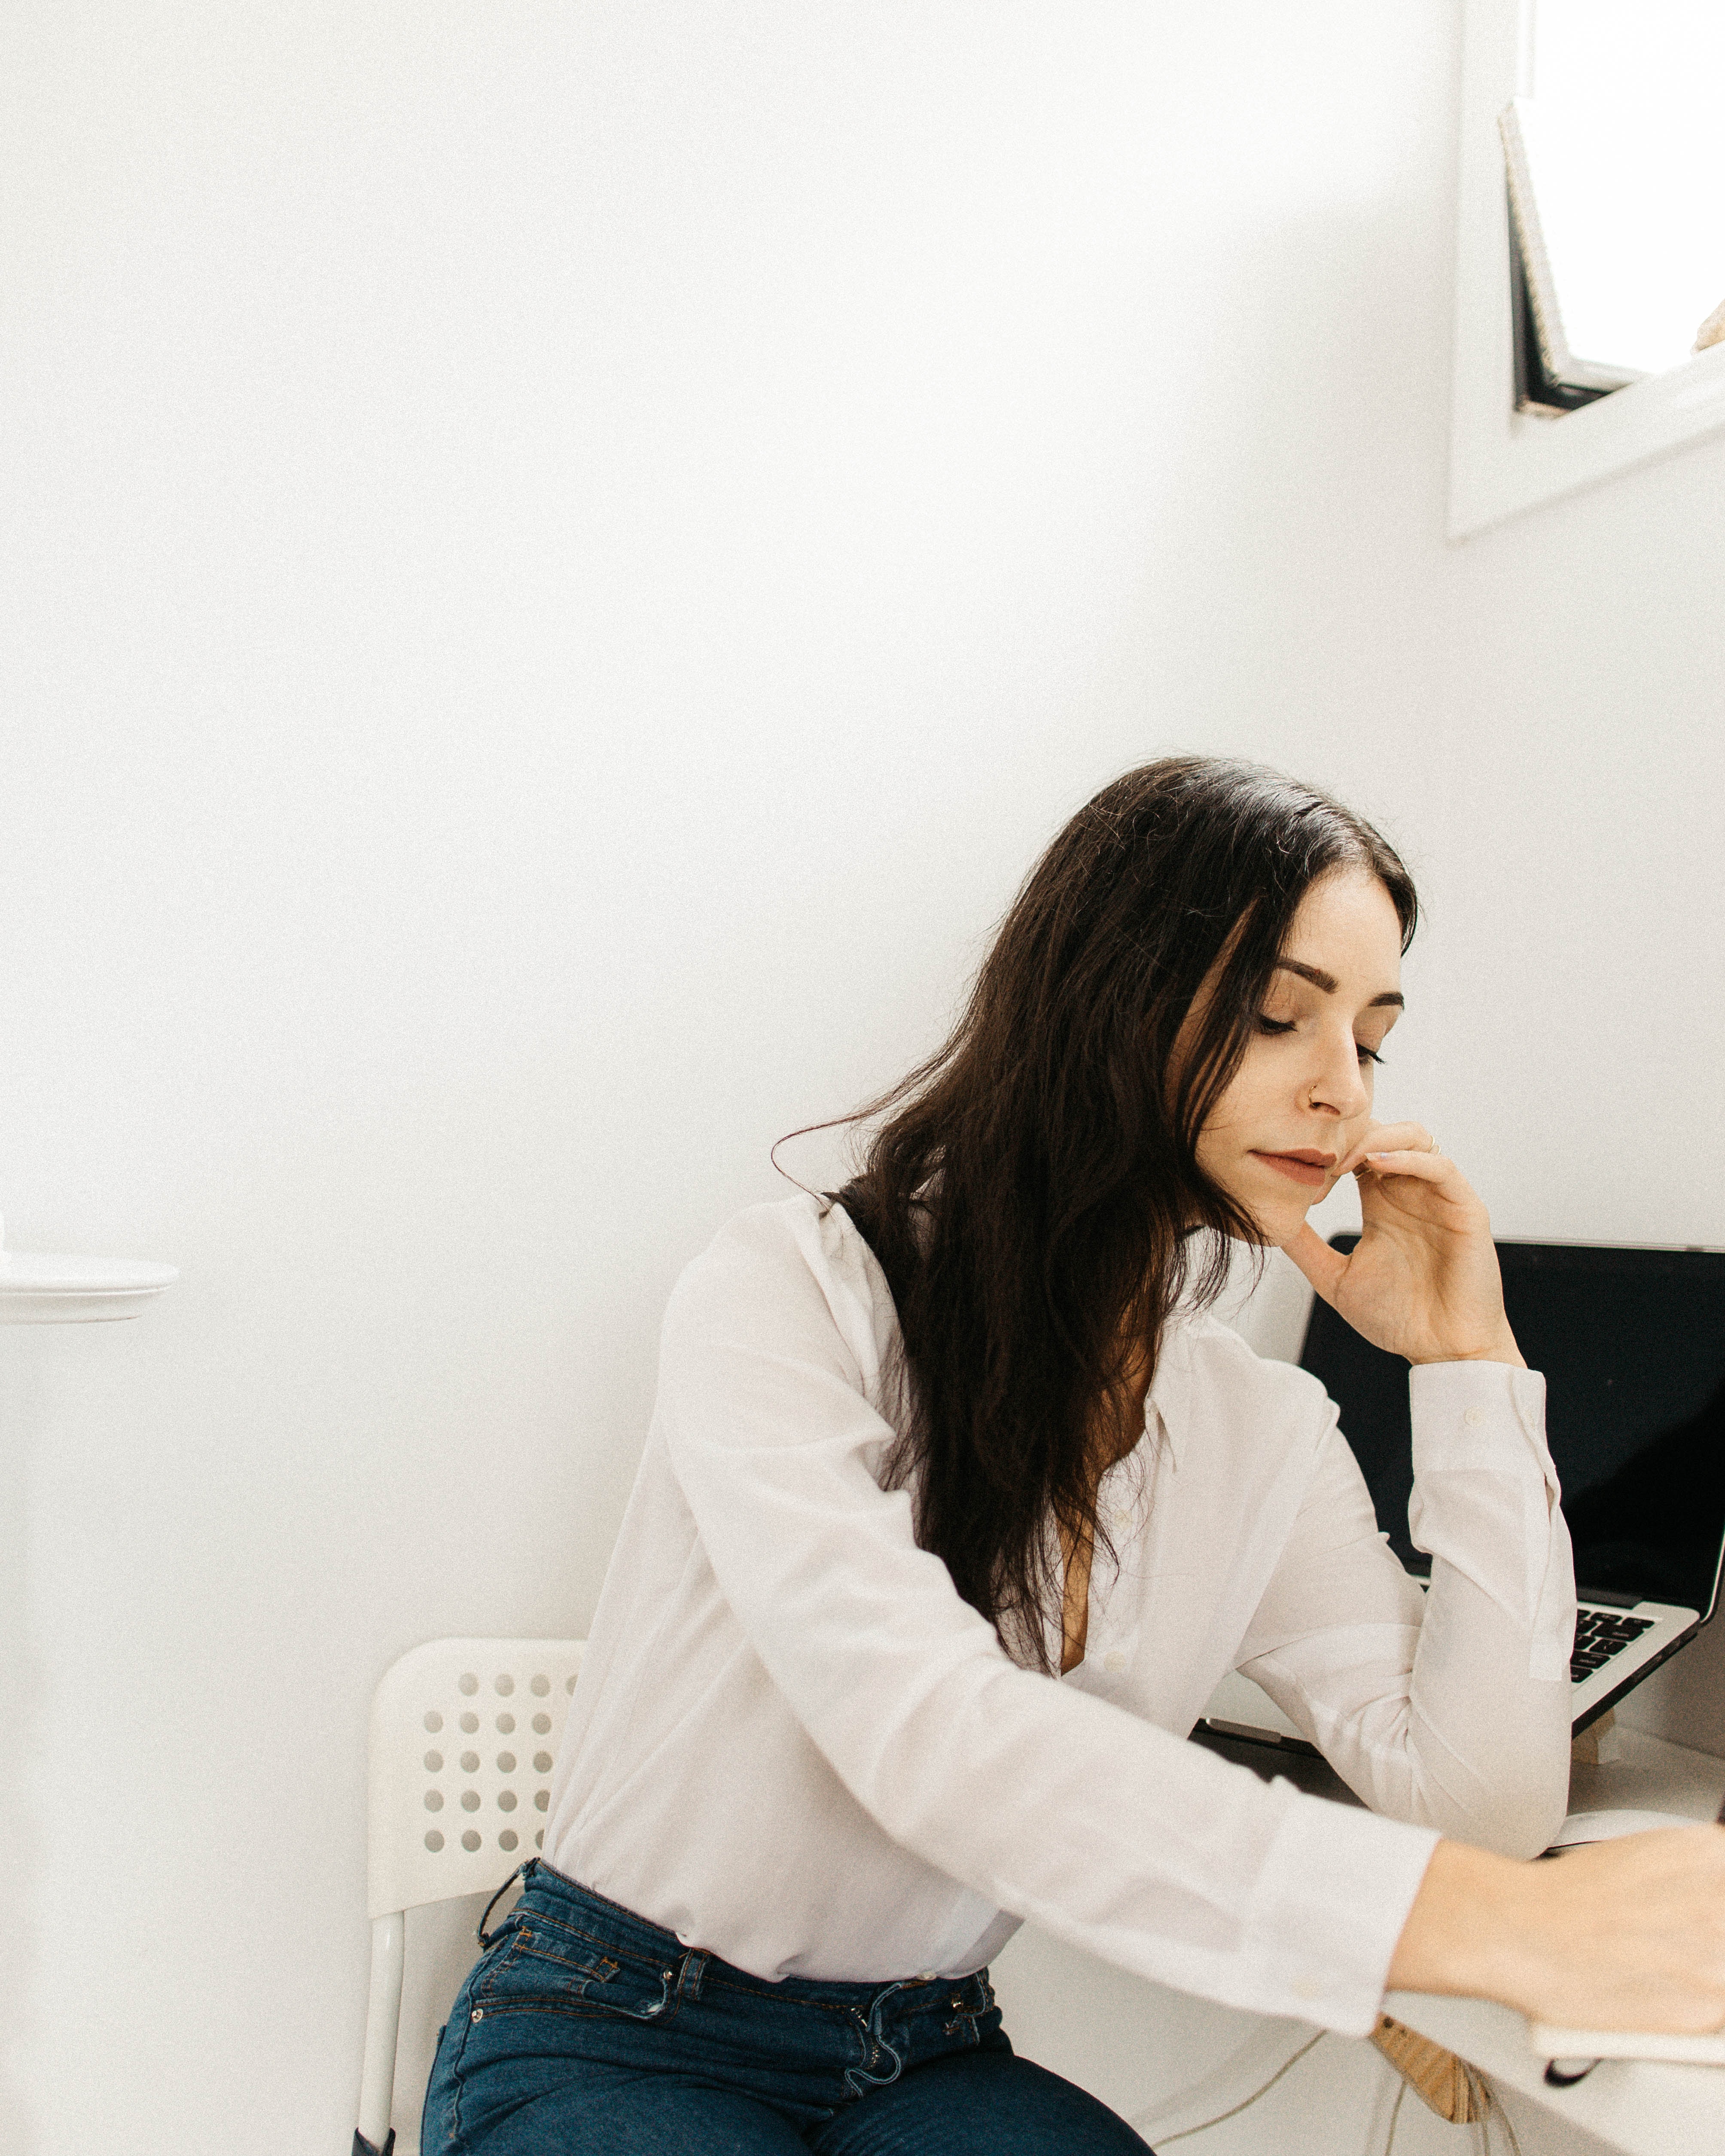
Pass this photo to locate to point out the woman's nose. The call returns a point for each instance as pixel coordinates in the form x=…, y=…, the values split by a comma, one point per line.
x=1340, y=1084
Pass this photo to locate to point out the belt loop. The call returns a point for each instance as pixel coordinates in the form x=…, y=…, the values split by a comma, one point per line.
x=520, y=1872
x=688, y=1976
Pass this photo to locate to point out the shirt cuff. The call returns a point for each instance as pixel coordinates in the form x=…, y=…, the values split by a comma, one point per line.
x=1329, y=1907
x=1461, y=1411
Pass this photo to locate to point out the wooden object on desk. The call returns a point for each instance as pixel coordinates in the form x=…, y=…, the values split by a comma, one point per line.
x=1598, y=1744
x=1442, y=2082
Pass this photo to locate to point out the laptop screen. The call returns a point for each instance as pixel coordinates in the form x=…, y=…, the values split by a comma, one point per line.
x=1632, y=1344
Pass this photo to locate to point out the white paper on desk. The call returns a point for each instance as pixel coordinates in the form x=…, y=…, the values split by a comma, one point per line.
x=1607, y=1826
x=1550, y=2043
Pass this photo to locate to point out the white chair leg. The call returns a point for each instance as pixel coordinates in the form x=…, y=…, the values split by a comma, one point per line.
x=377, y=2086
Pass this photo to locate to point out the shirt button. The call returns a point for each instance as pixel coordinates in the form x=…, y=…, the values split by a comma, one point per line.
x=1120, y=1517
x=1473, y=1417
x=1115, y=1661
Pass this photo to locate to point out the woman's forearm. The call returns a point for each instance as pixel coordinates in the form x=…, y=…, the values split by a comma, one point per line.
x=1462, y=1931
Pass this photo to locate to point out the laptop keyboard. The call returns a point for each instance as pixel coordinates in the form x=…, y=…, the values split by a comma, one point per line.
x=1600, y=1634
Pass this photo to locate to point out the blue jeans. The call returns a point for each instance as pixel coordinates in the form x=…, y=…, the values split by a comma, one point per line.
x=584, y=2029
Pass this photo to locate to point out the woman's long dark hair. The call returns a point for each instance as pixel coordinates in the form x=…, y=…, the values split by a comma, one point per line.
x=1031, y=1193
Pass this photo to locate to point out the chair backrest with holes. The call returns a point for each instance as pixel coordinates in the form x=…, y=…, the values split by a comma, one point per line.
x=464, y=1732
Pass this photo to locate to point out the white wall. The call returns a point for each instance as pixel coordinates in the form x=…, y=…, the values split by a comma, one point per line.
x=563, y=560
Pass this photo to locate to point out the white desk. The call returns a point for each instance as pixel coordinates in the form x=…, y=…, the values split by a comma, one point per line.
x=1644, y=2109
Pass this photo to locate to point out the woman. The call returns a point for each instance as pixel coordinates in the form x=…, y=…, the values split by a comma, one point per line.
x=955, y=1507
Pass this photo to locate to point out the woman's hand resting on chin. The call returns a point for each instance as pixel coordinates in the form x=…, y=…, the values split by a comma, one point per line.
x=1422, y=1280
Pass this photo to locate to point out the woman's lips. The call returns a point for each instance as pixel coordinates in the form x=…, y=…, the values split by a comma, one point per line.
x=1311, y=1169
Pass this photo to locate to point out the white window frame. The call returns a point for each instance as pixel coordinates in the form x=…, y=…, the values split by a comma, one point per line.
x=1502, y=461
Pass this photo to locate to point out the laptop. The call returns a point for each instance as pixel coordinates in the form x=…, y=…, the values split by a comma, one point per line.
x=1632, y=1344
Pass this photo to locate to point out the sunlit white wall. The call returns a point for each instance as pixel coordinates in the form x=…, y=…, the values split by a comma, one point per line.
x=563, y=560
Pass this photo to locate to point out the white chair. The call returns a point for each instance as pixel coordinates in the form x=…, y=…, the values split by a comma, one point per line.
x=464, y=1732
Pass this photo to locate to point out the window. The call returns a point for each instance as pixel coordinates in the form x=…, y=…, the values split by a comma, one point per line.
x=1611, y=112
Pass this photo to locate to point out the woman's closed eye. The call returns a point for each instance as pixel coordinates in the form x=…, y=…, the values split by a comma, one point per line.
x=1267, y=1025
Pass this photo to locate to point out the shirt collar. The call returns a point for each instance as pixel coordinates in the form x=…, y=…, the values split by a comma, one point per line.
x=1169, y=1397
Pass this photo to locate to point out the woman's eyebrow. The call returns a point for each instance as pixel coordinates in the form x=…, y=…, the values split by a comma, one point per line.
x=1320, y=979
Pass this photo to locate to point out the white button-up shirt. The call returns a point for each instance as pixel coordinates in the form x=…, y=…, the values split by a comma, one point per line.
x=794, y=1745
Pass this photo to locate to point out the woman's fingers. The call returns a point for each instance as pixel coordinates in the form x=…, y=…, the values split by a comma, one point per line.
x=1321, y=1266
x=1429, y=1167
x=1454, y=1207
x=1422, y=1281
x=1387, y=1137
